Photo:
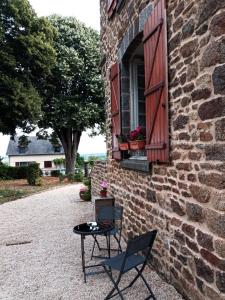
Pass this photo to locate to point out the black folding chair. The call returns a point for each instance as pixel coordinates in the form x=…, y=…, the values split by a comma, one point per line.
x=113, y=215
x=131, y=259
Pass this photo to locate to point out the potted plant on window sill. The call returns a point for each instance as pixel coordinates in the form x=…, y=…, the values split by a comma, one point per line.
x=137, y=139
x=123, y=143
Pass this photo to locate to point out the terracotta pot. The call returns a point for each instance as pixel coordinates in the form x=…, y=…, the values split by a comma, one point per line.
x=137, y=145
x=103, y=193
x=124, y=146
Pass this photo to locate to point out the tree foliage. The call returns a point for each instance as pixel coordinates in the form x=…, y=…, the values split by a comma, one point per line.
x=23, y=141
x=26, y=56
x=75, y=99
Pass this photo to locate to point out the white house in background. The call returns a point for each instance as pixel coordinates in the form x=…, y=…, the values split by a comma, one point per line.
x=40, y=151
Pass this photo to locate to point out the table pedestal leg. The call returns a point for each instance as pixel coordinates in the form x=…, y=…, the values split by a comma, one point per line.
x=83, y=256
x=108, y=243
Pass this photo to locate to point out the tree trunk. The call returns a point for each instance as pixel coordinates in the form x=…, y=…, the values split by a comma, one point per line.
x=70, y=140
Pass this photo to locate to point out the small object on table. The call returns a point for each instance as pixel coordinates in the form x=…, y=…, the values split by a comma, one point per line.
x=92, y=228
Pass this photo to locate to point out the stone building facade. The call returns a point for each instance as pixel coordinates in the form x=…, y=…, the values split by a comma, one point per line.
x=184, y=198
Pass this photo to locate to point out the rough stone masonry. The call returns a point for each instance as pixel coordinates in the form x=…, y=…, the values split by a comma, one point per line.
x=184, y=199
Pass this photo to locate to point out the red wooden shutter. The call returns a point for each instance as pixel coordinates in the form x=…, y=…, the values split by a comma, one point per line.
x=115, y=109
x=111, y=7
x=156, y=84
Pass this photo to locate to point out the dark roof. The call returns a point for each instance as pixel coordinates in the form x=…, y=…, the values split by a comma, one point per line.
x=35, y=147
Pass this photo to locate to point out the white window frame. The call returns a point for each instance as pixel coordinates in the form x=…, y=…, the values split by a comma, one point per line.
x=134, y=111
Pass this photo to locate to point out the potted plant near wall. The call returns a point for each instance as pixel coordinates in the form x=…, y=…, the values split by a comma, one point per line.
x=103, y=191
x=123, y=143
x=137, y=139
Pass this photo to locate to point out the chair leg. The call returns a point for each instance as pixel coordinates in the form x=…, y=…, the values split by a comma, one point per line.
x=147, y=285
x=115, y=283
x=137, y=276
x=93, y=248
x=118, y=241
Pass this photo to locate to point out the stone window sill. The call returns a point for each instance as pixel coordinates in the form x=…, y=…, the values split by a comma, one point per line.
x=136, y=165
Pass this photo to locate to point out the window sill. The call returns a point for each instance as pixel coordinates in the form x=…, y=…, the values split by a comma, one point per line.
x=136, y=165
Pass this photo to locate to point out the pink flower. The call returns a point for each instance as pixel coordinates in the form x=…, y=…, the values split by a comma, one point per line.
x=139, y=129
x=137, y=134
x=104, y=185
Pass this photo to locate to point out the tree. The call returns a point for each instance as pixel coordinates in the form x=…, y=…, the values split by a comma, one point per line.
x=75, y=98
x=23, y=141
x=26, y=56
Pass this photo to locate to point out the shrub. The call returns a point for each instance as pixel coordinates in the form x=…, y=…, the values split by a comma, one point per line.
x=78, y=177
x=22, y=172
x=55, y=173
x=39, y=181
x=7, y=172
x=4, y=172
x=75, y=177
x=33, y=173
x=87, y=196
x=62, y=177
x=87, y=182
x=87, y=193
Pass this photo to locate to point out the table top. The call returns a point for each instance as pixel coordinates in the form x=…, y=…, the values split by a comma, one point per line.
x=91, y=228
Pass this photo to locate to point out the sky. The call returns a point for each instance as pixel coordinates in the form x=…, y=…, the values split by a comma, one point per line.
x=86, y=11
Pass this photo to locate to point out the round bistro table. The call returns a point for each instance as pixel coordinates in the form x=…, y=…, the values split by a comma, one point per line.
x=93, y=229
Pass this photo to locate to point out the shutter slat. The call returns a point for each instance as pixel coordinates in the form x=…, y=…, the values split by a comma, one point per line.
x=111, y=7
x=115, y=109
x=156, y=85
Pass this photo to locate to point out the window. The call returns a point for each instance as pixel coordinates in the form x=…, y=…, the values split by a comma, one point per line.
x=48, y=164
x=139, y=91
x=137, y=98
x=57, y=148
x=24, y=163
x=114, y=5
x=22, y=150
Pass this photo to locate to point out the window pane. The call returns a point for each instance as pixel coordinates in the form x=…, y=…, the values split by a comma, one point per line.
x=47, y=164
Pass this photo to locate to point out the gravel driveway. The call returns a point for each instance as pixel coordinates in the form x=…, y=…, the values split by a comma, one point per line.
x=40, y=255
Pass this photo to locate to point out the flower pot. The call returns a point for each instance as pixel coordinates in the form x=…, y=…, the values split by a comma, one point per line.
x=124, y=146
x=81, y=194
x=137, y=145
x=103, y=193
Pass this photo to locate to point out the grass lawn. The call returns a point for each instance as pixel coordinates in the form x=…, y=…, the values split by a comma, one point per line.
x=14, y=189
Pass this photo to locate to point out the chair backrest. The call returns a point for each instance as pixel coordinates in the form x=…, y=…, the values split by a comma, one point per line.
x=110, y=213
x=140, y=243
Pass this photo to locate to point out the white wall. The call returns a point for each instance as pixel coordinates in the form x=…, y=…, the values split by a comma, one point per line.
x=40, y=159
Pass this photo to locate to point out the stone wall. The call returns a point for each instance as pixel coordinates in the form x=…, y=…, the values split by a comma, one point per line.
x=185, y=199
x=98, y=174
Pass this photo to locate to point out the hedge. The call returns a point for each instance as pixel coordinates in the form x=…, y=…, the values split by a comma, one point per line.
x=7, y=172
x=55, y=173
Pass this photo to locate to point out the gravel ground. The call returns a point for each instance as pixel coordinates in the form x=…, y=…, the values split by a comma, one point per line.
x=48, y=265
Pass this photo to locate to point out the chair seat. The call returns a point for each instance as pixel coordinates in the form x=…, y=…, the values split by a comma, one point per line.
x=112, y=231
x=117, y=261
